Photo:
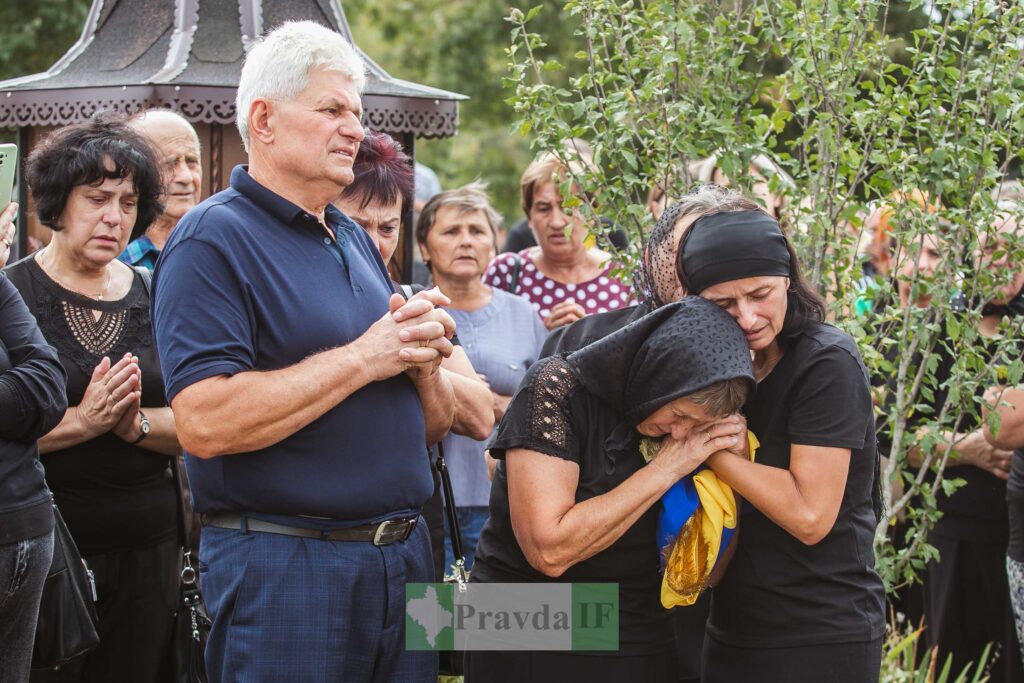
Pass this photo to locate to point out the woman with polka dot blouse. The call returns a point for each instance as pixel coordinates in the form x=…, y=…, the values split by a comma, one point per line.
x=562, y=277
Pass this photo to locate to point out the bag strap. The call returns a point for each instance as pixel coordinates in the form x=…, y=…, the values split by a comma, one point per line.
x=517, y=264
x=453, y=516
x=179, y=490
x=179, y=496
x=147, y=280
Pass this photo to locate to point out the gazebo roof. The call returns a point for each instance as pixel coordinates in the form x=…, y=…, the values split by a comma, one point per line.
x=187, y=55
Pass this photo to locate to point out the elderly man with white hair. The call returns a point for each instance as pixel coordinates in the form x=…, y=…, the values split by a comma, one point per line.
x=303, y=389
x=177, y=147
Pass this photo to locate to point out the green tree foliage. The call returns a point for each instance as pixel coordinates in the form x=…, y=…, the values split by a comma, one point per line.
x=460, y=45
x=34, y=34
x=854, y=113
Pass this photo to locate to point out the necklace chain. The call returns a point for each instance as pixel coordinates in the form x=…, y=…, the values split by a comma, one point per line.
x=97, y=297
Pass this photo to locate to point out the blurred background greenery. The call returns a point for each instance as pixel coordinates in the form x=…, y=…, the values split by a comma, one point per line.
x=456, y=45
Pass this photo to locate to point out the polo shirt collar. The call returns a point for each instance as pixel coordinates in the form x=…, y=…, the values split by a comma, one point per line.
x=279, y=207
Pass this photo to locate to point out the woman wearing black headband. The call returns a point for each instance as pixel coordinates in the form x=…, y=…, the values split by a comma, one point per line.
x=572, y=500
x=801, y=600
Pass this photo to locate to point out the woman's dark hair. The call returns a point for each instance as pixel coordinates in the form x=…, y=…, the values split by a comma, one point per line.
x=804, y=306
x=81, y=154
x=383, y=173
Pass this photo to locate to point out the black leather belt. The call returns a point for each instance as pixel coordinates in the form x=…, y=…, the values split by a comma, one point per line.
x=382, y=533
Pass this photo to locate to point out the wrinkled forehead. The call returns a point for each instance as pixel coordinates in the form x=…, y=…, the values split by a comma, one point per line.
x=325, y=85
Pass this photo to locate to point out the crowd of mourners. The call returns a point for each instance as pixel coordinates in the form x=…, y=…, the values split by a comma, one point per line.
x=258, y=332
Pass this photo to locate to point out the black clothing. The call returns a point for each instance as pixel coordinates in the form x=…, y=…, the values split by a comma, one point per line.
x=976, y=511
x=113, y=495
x=1015, y=506
x=777, y=591
x=433, y=516
x=967, y=606
x=561, y=667
x=965, y=596
x=837, y=663
x=581, y=429
x=584, y=409
x=629, y=369
x=32, y=402
x=688, y=622
x=520, y=237
x=588, y=330
x=138, y=593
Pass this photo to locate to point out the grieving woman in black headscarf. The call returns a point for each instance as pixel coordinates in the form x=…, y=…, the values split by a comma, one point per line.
x=658, y=285
x=572, y=498
x=801, y=600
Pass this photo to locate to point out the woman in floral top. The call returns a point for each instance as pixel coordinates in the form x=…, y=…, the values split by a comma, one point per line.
x=562, y=277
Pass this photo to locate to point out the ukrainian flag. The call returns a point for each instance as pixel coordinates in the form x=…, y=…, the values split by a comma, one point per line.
x=696, y=524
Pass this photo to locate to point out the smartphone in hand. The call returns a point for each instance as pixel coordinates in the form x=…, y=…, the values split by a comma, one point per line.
x=8, y=169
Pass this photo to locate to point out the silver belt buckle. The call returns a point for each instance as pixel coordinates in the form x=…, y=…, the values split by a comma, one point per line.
x=381, y=529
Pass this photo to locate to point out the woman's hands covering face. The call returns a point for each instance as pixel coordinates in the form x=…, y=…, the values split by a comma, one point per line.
x=679, y=457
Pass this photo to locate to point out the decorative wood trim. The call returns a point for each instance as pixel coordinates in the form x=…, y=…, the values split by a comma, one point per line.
x=426, y=118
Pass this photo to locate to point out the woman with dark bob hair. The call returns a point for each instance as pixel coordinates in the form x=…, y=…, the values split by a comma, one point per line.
x=801, y=600
x=95, y=185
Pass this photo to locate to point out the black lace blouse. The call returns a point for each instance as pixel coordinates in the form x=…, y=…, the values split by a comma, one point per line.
x=553, y=414
x=113, y=496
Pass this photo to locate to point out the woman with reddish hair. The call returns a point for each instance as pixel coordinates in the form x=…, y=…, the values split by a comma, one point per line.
x=377, y=198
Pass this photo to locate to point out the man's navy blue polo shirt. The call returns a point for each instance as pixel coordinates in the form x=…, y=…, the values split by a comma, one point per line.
x=250, y=281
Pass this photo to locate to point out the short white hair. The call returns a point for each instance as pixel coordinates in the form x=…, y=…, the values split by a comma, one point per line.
x=279, y=63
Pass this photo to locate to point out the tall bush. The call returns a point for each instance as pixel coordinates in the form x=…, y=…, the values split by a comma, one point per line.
x=854, y=116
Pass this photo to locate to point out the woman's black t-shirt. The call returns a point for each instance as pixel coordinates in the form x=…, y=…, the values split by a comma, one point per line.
x=552, y=414
x=114, y=496
x=977, y=510
x=777, y=591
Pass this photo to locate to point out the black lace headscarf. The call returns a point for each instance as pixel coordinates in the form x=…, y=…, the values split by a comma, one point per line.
x=679, y=349
x=657, y=275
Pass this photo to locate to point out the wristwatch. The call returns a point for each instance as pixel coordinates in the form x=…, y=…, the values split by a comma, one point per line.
x=143, y=427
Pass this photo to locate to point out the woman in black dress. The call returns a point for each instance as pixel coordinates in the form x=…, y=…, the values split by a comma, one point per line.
x=107, y=460
x=801, y=600
x=572, y=499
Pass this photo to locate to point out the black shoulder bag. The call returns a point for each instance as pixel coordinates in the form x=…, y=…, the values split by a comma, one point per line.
x=191, y=621
x=67, y=616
